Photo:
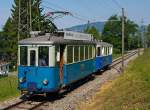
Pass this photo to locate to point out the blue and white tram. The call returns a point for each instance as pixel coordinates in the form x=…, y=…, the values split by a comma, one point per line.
x=104, y=55
x=49, y=62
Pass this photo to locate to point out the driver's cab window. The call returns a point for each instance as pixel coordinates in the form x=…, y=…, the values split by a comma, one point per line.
x=32, y=58
x=23, y=55
x=43, y=56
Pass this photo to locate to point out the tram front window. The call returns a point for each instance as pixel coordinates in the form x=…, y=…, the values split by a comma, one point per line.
x=23, y=55
x=43, y=56
x=32, y=58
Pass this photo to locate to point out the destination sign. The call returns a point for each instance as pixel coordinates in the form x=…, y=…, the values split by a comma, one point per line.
x=77, y=36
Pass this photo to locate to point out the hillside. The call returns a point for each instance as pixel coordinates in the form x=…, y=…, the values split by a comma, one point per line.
x=131, y=91
x=80, y=28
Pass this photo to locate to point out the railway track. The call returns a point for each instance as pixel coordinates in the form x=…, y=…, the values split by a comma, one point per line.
x=127, y=56
x=34, y=104
x=25, y=105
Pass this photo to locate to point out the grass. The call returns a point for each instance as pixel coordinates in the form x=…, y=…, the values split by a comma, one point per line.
x=116, y=56
x=130, y=91
x=8, y=87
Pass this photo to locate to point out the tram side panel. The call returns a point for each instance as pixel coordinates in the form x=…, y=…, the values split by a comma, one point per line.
x=77, y=71
x=80, y=62
x=102, y=61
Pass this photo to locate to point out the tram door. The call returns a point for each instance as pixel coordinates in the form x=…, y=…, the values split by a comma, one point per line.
x=61, y=63
x=32, y=56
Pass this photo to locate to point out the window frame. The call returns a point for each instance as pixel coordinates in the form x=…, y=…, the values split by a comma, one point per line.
x=79, y=53
x=36, y=47
x=48, y=56
x=36, y=55
x=72, y=54
x=19, y=55
x=78, y=58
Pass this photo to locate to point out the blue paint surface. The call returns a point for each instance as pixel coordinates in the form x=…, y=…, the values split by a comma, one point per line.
x=71, y=72
x=76, y=71
x=36, y=75
x=102, y=61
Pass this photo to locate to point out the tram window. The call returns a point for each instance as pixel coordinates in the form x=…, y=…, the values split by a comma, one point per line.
x=90, y=52
x=86, y=52
x=69, y=54
x=57, y=54
x=32, y=58
x=23, y=55
x=108, y=50
x=81, y=53
x=43, y=56
x=93, y=52
x=76, y=53
x=98, y=51
x=105, y=51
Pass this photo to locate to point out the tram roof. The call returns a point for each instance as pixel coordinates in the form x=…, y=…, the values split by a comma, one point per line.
x=47, y=40
x=59, y=38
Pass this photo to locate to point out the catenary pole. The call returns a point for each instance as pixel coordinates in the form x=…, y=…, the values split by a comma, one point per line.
x=28, y=29
x=19, y=20
x=38, y=11
x=30, y=3
x=123, y=30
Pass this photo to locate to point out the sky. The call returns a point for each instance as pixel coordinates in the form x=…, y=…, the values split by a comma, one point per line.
x=84, y=10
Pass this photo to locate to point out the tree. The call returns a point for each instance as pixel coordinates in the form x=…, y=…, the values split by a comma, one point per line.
x=10, y=28
x=8, y=42
x=131, y=30
x=92, y=30
x=112, y=32
x=39, y=23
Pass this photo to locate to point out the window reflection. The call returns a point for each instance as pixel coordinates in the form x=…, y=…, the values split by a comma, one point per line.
x=43, y=56
x=32, y=58
x=23, y=55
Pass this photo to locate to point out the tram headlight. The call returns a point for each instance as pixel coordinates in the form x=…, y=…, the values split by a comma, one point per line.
x=23, y=79
x=45, y=82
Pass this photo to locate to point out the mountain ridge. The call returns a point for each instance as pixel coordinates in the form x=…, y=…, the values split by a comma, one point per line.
x=80, y=28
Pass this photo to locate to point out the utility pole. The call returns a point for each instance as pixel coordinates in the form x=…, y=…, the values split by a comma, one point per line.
x=142, y=33
x=38, y=11
x=138, y=45
x=28, y=19
x=88, y=23
x=19, y=20
x=123, y=29
x=30, y=5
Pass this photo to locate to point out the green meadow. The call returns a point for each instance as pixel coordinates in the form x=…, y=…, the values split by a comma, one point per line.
x=8, y=87
x=130, y=91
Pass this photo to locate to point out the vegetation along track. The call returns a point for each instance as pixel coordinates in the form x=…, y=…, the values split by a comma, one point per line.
x=37, y=102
